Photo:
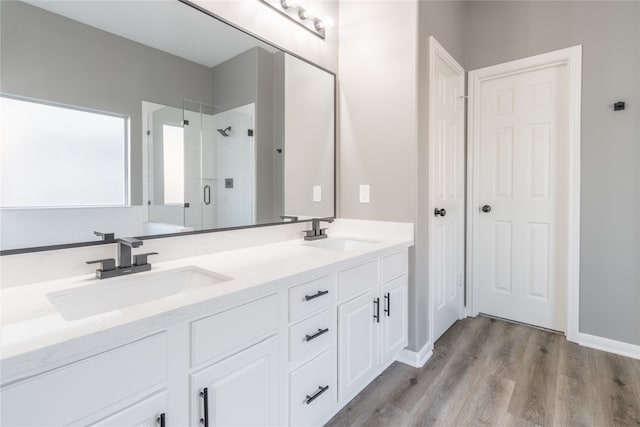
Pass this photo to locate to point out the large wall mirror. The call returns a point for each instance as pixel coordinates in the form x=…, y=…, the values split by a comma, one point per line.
x=151, y=118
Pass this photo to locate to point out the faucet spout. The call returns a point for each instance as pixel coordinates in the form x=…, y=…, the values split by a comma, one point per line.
x=124, y=250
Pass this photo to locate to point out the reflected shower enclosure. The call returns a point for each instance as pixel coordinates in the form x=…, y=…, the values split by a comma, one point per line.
x=201, y=167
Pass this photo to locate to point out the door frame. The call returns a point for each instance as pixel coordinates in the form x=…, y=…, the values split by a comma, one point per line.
x=572, y=58
x=436, y=49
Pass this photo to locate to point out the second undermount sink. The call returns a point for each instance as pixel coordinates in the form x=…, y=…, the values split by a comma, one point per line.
x=113, y=294
x=340, y=244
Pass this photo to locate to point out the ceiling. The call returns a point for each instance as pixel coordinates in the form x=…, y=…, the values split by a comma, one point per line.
x=167, y=25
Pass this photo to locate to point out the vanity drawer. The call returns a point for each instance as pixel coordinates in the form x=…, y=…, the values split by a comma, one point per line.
x=394, y=265
x=80, y=389
x=309, y=405
x=313, y=335
x=310, y=297
x=357, y=279
x=233, y=330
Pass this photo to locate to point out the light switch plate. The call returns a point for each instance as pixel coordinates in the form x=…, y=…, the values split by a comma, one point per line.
x=317, y=193
x=364, y=193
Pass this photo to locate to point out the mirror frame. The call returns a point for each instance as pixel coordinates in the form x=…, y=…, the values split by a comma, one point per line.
x=211, y=230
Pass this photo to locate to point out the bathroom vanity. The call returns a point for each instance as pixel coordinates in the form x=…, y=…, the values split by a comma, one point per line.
x=279, y=334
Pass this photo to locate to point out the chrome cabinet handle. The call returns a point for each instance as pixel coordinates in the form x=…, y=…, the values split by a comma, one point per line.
x=161, y=421
x=308, y=338
x=316, y=295
x=207, y=194
x=315, y=395
x=204, y=394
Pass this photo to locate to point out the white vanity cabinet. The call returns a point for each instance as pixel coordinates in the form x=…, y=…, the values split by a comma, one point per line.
x=372, y=319
x=292, y=354
x=95, y=388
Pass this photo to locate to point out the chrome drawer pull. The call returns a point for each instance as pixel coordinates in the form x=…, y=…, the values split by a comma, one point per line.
x=308, y=338
x=161, y=420
x=313, y=397
x=314, y=296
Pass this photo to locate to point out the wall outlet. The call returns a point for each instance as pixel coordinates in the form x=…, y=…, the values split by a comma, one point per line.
x=317, y=193
x=364, y=193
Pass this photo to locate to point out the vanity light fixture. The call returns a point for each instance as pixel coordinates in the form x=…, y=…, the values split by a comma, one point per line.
x=300, y=15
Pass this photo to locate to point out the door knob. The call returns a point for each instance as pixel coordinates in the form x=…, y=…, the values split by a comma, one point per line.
x=440, y=212
x=486, y=209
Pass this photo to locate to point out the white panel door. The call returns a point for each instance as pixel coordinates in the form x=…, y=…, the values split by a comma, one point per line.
x=446, y=189
x=239, y=391
x=523, y=152
x=151, y=412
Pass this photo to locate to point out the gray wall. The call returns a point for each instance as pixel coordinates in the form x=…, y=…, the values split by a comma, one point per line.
x=609, y=33
x=378, y=110
x=58, y=59
x=244, y=79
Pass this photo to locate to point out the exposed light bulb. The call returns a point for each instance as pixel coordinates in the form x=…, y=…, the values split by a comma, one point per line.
x=287, y=4
x=305, y=13
x=319, y=24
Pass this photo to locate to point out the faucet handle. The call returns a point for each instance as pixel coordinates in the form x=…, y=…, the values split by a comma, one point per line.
x=141, y=259
x=106, y=264
x=130, y=241
x=108, y=237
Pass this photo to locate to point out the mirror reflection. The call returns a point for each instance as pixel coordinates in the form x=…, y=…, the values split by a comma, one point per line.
x=118, y=120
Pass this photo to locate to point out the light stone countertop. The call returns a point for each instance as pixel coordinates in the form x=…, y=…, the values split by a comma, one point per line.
x=33, y=334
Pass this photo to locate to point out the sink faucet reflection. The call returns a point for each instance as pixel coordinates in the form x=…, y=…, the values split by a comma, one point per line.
x=125, y=264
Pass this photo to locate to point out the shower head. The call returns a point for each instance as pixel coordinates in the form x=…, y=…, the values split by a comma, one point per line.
x=225, y=131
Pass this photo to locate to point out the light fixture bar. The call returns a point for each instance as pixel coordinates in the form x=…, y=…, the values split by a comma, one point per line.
x=301, y=16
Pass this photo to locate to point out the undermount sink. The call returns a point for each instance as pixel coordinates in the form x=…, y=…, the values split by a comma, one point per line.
x=113, y=294
x=340, y=244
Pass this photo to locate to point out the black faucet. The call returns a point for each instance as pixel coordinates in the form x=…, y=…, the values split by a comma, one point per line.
x=124, y=250
x=108, y=266
x=316, y=231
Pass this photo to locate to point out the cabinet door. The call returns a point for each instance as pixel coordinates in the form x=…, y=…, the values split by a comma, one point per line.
x=151, y=412
x=241, y=390
x=358, y=333
x=394, y=315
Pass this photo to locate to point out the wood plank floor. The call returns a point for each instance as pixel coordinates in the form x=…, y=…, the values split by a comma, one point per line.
x=487, y=372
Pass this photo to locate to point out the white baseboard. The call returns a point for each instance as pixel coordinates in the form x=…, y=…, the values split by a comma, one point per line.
x=417, y=359
x=611, y=346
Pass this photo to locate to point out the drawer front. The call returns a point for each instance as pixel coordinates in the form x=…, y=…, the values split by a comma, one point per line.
x=312, y=336
x=394, y=265
x=65, y=395
x=311, y=297
x=308, y=406
x=358, y=279
x=233, y=330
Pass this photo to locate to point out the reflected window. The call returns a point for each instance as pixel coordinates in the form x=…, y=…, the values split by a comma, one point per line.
x=54, y=155
x=173, y=155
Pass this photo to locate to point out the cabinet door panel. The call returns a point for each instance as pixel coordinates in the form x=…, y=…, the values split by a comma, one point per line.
x=242, y=389
x=357, y=344
x=142, y=414
x=394, y=318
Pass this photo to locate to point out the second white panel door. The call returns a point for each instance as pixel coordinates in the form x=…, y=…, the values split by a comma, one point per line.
x=446, y=189
x=523, y=190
